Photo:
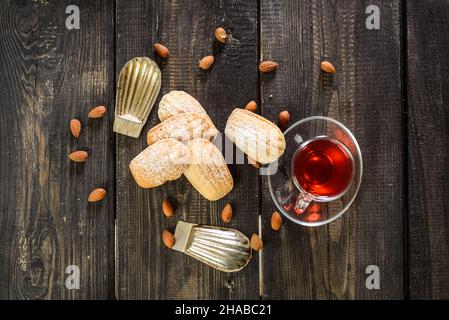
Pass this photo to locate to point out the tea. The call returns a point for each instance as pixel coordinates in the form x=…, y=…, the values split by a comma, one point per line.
x=323, y=167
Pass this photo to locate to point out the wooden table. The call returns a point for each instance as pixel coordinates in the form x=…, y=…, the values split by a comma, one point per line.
x=391, y=90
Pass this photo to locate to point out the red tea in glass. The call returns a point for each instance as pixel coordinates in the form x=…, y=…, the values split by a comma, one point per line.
x=323, y=167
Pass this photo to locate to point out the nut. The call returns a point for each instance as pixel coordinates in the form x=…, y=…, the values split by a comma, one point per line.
x=251, y=106
x=206, y=62
x=168, y=238
x=268, y=66
x=97, y=195
x=226, y=213
x=79, y=156
x=328, y=67
x=75, y=127
x=276, y=221
x=284, y=118
x=253, y=162
x=161, y=50
x=167, y=208
x=220, y=35
x=256, y=242
x=97, y=112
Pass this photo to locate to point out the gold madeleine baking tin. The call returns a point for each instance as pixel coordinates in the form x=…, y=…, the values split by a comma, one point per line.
x=138, y=85
x=224, y=249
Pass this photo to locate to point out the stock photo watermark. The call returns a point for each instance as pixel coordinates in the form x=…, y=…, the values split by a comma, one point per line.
x=72, y=22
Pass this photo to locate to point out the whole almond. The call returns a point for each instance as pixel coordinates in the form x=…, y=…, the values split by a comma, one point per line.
x=284, y=118
x=78, y=156
x=253, y=162
x=220, y=35
x=97, y=195
x=251, y=106
x=168, y=238
x=256, y=242
x=97, y=112
x=75, y=127
x=328, y=67
x=167, y=208
x=268, y=66
x=276, y=221
x=206, y=62
x=161, y=50
x=226, y=213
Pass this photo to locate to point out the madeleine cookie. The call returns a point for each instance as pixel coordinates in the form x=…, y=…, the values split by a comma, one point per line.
x=256, y=136
x=207, y=170
x=160, y=162
x=183, y=127
x=176, y=102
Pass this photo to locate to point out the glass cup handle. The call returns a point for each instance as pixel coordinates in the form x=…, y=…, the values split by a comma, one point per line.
x=302, y=203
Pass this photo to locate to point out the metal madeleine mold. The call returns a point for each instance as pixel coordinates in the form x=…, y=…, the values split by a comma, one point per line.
x=224, y=249
x=138, y=85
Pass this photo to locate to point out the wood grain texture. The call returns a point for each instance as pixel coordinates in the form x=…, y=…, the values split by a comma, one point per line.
x=365, y=94
x=428, y=123
x=50, y=75
x=145, y=268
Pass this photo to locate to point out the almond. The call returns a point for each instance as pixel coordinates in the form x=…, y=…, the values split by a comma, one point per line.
x=284, y=118
x=268, y=66
x=97, y=112
x=251, y=106
x=328, y=67
x=168, y=238
x=276, y=221
x=167, y=208
x=226, y=213
x=161, y=50
x=97, y=195
x=79, y=156
x=75, y=127
x=253, y=162
x=206, y=62
x=220, y=35
x=256, y=242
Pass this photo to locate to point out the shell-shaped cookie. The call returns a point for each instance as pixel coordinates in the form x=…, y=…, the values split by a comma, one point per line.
x=138, y=85
x=183, y=127
x=160, y=162
x=207, y=170
x=176, y=102
x=256, y=136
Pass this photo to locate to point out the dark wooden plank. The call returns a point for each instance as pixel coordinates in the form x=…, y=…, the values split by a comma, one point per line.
x=428, y=132
x=329, y=262
x=50, y=75
x=145, y=268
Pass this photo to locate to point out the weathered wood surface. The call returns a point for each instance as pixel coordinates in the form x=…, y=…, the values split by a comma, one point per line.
x=49, y=75
x=365, y=94
x=145, y=268
x=428, y=123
